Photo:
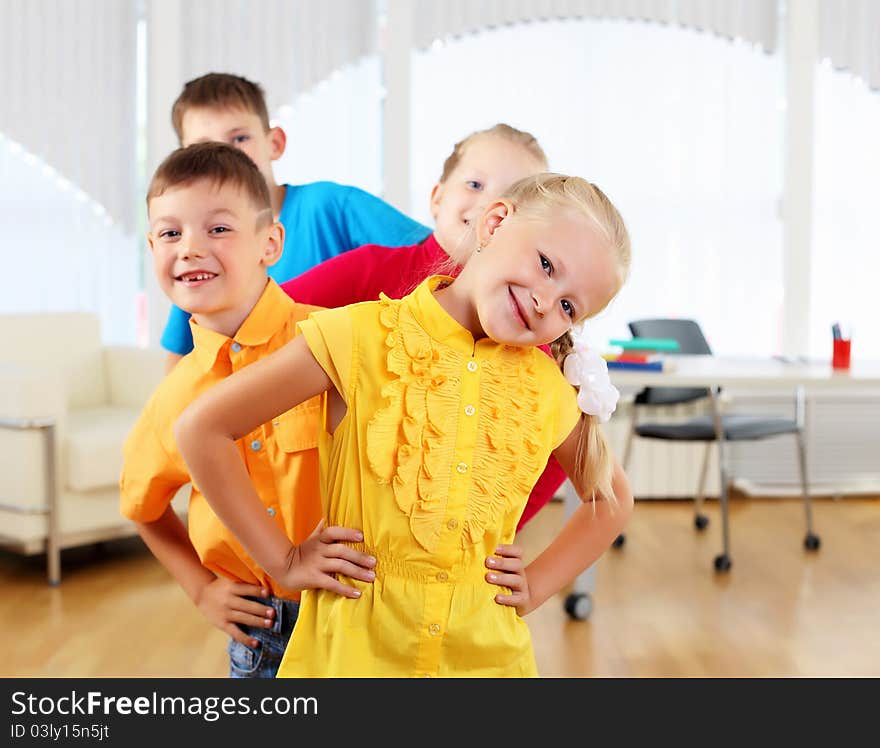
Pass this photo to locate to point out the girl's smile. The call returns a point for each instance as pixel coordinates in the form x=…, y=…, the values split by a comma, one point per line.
x=517, y=310
x=534, y=278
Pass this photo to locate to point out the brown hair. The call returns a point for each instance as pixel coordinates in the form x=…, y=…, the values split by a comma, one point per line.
x=534, y=196
x=220, y=91
x=218, y=163
x=501, y=130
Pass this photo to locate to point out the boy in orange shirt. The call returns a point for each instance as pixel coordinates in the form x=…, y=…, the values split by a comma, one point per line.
x=213, y=236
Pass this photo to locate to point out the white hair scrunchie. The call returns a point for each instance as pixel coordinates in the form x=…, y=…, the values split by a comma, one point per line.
x=588, y=371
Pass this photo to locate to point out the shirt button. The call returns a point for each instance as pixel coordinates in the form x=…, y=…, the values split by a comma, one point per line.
x=469, y=410
x=434, y=628
x=442, y=576
x=270, y=511
x=452, y=523
x=461, y=467
x=471, y=365
x=236, y=347
x=255, y=445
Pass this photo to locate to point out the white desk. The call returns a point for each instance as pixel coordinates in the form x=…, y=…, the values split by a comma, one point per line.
x=718, y=371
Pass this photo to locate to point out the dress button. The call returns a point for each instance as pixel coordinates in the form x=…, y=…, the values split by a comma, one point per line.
x=434, y=628
x=255, y=445
x=461, y=467
x=452, y=523
x=469, y=410
x=442, y=576
x=270, y=511
x=471, y=365
x=236, y=347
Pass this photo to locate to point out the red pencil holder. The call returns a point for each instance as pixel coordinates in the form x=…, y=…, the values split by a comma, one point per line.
x=840, y=353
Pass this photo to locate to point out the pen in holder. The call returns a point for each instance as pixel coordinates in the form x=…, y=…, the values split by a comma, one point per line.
x=841, y=347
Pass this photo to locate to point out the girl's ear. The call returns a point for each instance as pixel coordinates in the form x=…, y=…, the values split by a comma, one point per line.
x=436, y=196
x=274, y=244
x=492, y=218
x=277, y=142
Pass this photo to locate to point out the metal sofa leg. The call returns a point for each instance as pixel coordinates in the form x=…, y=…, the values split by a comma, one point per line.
x=50, y=504
x=53, y=540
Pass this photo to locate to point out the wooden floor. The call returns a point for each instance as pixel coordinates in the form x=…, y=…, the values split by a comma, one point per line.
x=659, y=608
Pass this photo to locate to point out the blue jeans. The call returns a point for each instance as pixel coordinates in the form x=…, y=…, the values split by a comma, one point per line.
x=263, y=660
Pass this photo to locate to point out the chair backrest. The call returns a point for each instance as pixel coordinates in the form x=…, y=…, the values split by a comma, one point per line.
x=690, y=341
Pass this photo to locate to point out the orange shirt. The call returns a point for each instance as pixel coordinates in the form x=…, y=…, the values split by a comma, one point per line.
x=281, y=456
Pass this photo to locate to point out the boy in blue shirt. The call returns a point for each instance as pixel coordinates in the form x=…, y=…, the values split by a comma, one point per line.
x=320, y=219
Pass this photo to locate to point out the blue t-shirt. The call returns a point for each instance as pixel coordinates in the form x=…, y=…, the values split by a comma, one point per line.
x=321, y=220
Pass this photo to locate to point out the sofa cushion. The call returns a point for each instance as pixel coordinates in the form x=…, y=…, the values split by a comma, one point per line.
x=67, y=342
x=92, y=446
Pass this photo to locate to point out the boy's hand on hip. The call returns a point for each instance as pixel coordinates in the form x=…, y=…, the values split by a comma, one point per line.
x=315, y=563
x=508, y=570
x=224, y=604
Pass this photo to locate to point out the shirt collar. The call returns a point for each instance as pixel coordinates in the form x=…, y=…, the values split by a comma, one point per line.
x=269, y=314
x=435, y=320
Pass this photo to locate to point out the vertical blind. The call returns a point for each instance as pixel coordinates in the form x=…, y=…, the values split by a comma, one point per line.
x=69, y=93
x=849, y=36
x=288, y=46
x=754, y=21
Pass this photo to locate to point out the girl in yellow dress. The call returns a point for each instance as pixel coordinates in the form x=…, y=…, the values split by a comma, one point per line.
x=441, y=412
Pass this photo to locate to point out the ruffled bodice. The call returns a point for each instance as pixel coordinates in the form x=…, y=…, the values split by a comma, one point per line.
x=411, y=437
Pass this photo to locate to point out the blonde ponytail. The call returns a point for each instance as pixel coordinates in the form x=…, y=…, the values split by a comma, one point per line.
x=594, y=468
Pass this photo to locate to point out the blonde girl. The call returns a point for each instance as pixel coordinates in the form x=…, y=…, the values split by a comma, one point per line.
x=479, y=169
x=440, y=414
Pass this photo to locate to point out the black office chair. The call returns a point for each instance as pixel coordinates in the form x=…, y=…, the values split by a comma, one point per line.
x=708, y=428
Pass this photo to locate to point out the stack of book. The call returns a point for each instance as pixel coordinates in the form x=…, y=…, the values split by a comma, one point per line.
x=644, y=354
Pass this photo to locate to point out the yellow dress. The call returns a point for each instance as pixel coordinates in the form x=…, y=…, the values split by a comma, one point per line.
x=434, y=460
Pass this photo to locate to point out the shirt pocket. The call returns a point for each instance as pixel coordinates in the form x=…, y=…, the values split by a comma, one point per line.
x=297, y=429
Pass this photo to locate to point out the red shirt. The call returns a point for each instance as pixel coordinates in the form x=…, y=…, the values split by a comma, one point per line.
x=362, y=273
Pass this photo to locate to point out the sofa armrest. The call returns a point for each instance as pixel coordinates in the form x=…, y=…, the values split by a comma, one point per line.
x=29, y=391
x=133, y=374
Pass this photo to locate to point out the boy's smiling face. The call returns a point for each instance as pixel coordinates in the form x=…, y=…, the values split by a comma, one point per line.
x=211, y=246
x=239, y=128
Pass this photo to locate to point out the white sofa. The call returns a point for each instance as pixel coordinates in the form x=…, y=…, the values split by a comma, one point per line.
x=67, y=402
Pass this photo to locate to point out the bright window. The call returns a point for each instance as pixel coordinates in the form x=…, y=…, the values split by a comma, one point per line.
x=681, y=129
x=846, y=226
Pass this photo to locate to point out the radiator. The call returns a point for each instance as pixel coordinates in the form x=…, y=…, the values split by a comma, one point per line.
x=842, y=433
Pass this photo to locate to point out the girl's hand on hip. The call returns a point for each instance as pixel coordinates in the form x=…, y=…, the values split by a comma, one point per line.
x=508, y=570
x=315, y=563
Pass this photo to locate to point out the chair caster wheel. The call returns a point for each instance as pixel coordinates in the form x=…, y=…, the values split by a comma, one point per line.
x=701, y=521
x=812, y=542
x=579, y=605
x=723, y=562
x=619, y=541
